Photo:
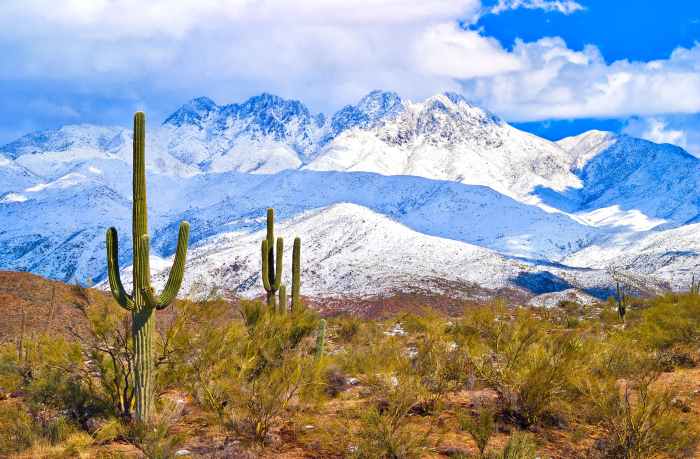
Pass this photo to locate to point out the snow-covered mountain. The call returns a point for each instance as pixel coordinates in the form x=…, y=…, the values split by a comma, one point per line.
x=340, y=250
x=385, y=193
x=446, y=138
x=659, y=181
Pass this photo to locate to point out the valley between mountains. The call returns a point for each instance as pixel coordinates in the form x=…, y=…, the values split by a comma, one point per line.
x=389, y=196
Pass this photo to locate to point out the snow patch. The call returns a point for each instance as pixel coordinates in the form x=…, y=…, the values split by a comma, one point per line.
x=13, y=197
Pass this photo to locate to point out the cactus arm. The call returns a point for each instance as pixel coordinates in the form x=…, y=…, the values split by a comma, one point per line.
x=265, y=267
x=174, y=282
x=278, y=263
x=115, y=281
x=177, y=272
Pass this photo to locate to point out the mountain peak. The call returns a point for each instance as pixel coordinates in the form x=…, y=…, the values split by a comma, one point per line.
x=372, y=108
x=378, y=103
x=266, y=105
x=452, y=102
x=193, y=112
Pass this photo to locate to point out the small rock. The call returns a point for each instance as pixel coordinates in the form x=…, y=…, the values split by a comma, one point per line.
x=182, y=452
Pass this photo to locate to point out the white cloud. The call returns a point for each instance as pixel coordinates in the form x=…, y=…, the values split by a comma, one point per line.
x=557, y=82
x=560, y=6
x=658, y=130
x=328, y=53
x=680, y=130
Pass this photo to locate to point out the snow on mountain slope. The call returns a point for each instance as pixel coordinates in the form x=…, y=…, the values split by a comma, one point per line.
x=14, y=177
x=583, y=147
x=58, y=228
x=660, y=181
x=468, y=213
x=672, y=255
x=443, y=138
x=264, y=134
x=349, y=250
x=446, y=138
x=440, y=169
x=54, y=153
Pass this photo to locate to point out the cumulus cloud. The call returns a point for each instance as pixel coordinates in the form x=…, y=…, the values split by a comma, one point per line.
x=557, y=82
x=680, y=130
x=327, y=51
x=560, y=6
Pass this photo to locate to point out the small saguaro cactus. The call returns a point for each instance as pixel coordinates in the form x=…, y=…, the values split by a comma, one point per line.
x=321, y=339
x=694, y=286
x=271, y=261
x=621, y=302
x=143, y=301
x=296, y=274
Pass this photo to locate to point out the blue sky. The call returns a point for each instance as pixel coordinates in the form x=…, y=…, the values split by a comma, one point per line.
x=553, y=67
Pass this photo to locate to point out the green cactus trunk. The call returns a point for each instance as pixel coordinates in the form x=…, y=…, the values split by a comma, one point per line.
x=321, y=339
x=296, y=274
x=271, y=261
x=282, y=307
x=143, y=301
x=143, y=322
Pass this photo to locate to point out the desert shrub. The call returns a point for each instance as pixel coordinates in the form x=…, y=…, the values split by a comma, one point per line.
x=197, y=346
x=273, y=367
x=17, y=429
x=669, y=321
x=520, y=446
x=480, y=427
x=11, y=376
x=618, y=355
x=76, y=444
x=346, y=328
x=372, y=351
x=439, y=364
x=528, y=362
x=248, y=372
x=24, y=431
x=258, y=403
x=638, y=420
x=157, y=440
x=384, y=429
x=110, y=430
x=62, y=381
x=106, y=346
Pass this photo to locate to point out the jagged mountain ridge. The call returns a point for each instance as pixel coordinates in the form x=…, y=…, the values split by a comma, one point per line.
x=266, y=134
x=475, y=180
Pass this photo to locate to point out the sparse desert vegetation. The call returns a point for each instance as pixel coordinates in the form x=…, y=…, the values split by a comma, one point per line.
x=246, y=380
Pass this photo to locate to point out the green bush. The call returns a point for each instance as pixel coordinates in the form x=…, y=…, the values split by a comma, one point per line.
x=639, y=421
x=481, y=428
x=385, y=430
x=520, y=446
x=527, y=361
x=668, y=321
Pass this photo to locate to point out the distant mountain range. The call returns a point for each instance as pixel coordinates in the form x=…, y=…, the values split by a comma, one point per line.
x=388, y=195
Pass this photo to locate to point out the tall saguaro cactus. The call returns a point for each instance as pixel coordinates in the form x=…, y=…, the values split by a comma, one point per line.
x=143, y=300
x=271, y=261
